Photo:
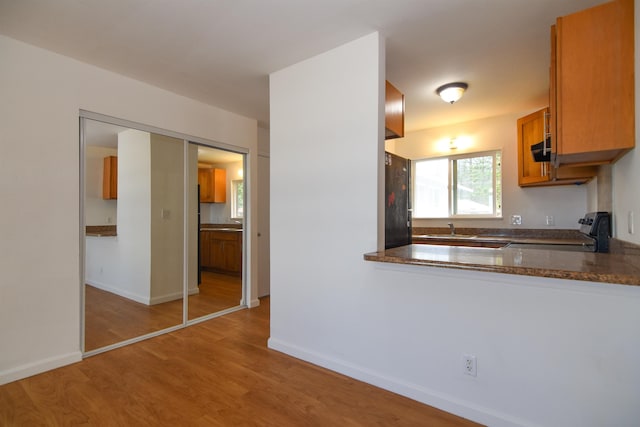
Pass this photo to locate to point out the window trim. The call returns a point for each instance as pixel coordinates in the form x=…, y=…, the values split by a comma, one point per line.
x=452, y=189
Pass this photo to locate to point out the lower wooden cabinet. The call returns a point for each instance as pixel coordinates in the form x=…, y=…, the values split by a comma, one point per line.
x=221, y=251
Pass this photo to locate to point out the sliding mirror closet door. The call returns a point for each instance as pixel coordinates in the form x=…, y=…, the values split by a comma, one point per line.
x=216, y=218
x=134, y=233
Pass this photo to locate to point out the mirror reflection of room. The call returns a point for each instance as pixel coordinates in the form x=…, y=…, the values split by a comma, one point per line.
x=134, y=244
x=137, y=235
x=219, y=185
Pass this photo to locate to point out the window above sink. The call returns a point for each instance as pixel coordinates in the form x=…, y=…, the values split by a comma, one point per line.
x=458, y=186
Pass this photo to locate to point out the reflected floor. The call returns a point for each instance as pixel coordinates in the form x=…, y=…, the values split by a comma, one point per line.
x=110, y=318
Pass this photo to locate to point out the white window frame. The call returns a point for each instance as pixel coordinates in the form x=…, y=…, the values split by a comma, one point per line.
x=452, y=187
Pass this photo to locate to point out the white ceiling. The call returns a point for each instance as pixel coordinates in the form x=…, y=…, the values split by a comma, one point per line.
x=222, y=51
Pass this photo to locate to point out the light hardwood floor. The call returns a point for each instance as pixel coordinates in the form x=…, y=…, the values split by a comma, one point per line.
x=110, y=318
x=216, y=373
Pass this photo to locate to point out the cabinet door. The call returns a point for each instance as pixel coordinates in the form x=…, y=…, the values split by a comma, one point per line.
x=217, y=254
x=205, y=249
x=110, y=178
x=393, y=112
x=233, y=254
x=595, y=84
x=213, y=185
x=531, y=130
x=205, y=180
x=219, y=186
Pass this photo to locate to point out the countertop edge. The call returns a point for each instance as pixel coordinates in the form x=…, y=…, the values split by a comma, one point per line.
x=611, y=278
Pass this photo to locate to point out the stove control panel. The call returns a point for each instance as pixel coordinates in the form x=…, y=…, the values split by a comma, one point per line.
x=597, y=225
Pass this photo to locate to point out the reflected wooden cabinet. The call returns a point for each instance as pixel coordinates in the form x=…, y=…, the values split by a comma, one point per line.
x=592, y=84
x=393, y=112
x=213, y=185
x=110, y=178
x=221, y=251
x=533, y=129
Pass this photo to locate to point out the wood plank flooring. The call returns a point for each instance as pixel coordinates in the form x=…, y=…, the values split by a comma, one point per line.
x=216, y=373
x=110, y=318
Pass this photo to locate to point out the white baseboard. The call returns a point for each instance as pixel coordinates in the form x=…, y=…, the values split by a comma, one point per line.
x=34, y=368
x=135, y=297
x=166, y=298
x=138, y=298
x=445, y=402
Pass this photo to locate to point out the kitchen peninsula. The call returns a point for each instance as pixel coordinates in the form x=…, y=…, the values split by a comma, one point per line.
x=618, y=268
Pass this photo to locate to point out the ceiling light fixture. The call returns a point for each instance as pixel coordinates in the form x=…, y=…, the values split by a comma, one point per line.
x=451, y=92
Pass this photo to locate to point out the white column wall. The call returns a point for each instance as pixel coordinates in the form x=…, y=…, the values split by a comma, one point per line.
x=167, y=218
x=42, y=94
x=133, y=260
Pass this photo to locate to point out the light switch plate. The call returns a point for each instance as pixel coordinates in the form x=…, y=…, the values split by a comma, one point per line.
x=516, y=219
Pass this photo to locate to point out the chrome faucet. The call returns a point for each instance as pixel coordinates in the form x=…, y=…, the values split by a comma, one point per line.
x=452, y=228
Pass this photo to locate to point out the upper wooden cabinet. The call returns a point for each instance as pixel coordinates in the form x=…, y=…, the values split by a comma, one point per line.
x=213, y=185
x=534, y=129
x=393, y=112
x=592, y=84
x=110, y=178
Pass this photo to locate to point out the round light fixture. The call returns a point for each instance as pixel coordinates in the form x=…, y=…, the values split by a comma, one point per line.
x=451, y=92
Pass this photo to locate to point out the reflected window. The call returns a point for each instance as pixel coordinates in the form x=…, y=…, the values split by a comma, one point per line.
x=237, y=200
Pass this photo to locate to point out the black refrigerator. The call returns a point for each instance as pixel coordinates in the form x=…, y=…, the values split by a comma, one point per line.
x=397, y=208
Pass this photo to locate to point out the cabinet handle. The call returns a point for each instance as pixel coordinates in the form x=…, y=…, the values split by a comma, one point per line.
x=546, y=132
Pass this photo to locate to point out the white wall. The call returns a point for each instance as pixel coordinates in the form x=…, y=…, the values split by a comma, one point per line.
x=42, y=93
x=264, y=240
x=567, y=203
x=550, y=352
x=132, y=269
x=97, y=211
x=626, y=172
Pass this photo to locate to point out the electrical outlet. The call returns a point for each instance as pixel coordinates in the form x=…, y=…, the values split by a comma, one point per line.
x=550, y=220
x=469, y=365
x=516, y=219
x=630, y=222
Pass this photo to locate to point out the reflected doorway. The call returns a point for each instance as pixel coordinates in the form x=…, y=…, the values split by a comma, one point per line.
x=218, y=193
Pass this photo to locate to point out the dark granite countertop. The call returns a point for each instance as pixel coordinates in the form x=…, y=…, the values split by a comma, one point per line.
x=101, y=230
x=619, y=268
x=221, y=227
